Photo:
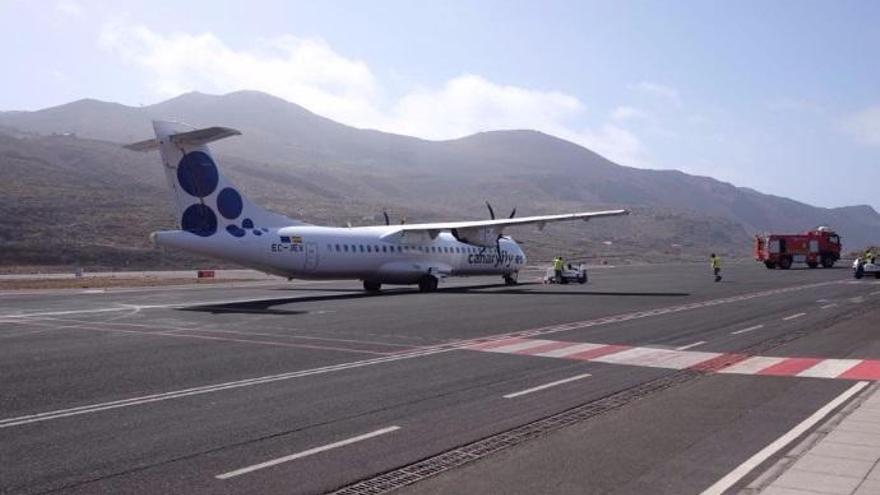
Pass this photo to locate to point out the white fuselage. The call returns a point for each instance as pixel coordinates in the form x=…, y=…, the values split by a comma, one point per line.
x=313, y=252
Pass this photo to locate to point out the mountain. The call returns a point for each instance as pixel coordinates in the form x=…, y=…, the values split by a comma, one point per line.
x=73, y=195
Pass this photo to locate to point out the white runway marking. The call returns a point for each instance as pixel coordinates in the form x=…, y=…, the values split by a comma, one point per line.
x=794, y=316
x=546, y=386
x=690, y=346
x=306, y=453
x=745, y=330
x=134, y=401
x=828, y=306
x=750, y=464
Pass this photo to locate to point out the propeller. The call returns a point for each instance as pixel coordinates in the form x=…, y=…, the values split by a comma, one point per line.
x=498, y=239
x=491, y=211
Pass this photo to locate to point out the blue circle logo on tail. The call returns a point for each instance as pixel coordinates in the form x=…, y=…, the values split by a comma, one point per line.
x=200, y=220
x=229, y=203
x=197, y=174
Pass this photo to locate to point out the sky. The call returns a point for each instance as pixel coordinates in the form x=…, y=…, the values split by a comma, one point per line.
x=779, y=96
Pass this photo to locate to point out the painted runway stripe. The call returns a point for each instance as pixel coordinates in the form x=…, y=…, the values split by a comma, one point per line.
x=794, y=316
x=306, y=453
x=790, y=366
x=681, y=359
x=690, y=346
x=829, y=368
x=828, y=306
x=546, y=386
x=746, y=330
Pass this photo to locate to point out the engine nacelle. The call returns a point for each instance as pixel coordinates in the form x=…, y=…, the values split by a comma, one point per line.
x=478, y=236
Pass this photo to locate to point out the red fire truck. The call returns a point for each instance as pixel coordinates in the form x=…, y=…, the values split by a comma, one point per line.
x=820, y=246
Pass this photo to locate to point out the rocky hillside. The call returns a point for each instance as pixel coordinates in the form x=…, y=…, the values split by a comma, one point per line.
x=72, y=195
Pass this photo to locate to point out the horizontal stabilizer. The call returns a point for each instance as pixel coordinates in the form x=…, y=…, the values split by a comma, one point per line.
x=198, y=137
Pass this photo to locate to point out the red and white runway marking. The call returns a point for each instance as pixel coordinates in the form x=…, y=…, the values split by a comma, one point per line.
x=729, y=363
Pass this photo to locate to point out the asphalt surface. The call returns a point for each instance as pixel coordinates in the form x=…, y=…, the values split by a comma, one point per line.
x=311, y=387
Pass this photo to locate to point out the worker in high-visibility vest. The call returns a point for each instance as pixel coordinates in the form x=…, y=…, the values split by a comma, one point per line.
x=716, y=266
x=557, y=267
x=869, y=256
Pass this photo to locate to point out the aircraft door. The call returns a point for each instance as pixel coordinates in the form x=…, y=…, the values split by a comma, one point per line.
x=311, y=257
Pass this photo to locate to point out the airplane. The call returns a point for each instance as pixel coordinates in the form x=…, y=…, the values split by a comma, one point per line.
x=217, y=220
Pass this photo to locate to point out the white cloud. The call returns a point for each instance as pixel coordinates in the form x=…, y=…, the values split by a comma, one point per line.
x=864, y=126
x=309, y=72
x=297, y=69
x=469, y=103
x=659, y=91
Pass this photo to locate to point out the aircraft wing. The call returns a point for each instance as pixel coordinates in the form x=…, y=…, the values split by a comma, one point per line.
x=486, y=232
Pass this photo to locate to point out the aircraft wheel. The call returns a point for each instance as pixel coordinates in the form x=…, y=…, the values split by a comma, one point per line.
x=428, y=283
x=511, y=278
x=371, y=286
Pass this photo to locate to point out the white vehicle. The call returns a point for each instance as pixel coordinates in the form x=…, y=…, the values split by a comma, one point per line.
x=216, y=220
x=570, y=274
x=861, y=268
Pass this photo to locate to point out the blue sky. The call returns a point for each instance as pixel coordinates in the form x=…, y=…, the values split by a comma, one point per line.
x=779, y=96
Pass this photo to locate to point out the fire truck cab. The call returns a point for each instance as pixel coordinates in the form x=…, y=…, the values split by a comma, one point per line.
x=820, y=246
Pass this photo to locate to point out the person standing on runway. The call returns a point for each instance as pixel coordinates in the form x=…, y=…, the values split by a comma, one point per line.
x=716, y=266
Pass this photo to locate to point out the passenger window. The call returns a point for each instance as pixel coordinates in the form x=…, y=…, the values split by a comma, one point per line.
x=346, y=248
x=337, y=248
x=369, y=248
x=361, y=247
x=376, y=248
x=384, y=249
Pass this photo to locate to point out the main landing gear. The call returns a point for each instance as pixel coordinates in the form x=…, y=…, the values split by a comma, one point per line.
x=428, y=283
x=371, y=286
x=511, y=278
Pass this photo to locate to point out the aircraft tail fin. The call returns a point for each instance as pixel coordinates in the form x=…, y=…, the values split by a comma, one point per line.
x=206, y=202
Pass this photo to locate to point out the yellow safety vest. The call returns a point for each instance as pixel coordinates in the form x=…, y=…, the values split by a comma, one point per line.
x=716, y=262
x=557, y=264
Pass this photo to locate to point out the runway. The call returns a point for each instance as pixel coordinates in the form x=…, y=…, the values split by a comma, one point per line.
x=649, y=379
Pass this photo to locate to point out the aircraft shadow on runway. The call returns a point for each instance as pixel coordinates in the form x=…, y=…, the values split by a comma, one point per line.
x=248, y=307
x=266, y=306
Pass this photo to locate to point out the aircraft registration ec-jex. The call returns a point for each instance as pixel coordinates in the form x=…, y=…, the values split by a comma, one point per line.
x=218, y=221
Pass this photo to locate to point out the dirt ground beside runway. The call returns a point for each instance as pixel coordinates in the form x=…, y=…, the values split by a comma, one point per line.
x=107, y=282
